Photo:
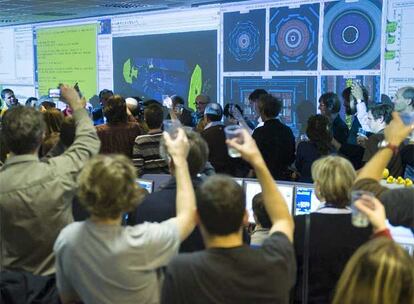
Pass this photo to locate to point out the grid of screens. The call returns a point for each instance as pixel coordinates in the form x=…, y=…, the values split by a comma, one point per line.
x=253, y=187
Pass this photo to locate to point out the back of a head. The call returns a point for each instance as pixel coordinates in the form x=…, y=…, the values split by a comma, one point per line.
x=331, y=101
x=68, y=131
x=269, y=106
x=154, y=115
x=260, y=212
x=213, y=111
x=317, y=131
x=379, y=272
x=346, y=94
x=334, y=177
x=197, y=156
x=221, y=205
x=22, y=129
x=53, y=119
x=382, y=110
x=107, y=186
x=115, y=110
x=255, y=95
x=177, y=100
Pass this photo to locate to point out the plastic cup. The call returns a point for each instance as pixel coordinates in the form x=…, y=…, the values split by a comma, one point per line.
x=171, y=126
x=359, y=219
x=234, y=131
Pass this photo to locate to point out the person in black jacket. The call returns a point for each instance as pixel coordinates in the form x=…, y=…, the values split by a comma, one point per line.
x=274, y=139
x=160, y=206
x=332, y=237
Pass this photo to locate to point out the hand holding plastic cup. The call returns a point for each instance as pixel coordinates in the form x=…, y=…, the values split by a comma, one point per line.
x=359, y=219
x=234, y=131
x=171, y=126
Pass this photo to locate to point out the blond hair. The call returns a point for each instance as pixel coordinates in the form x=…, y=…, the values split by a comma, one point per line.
x=334, y=176
x=379, y=272
x=107, y=186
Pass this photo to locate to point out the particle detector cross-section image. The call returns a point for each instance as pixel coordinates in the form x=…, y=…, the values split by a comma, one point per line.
x=244, y=41
x=294, y=38
x=352, y=35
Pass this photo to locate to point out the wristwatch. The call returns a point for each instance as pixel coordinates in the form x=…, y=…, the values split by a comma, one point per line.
x=385, y=144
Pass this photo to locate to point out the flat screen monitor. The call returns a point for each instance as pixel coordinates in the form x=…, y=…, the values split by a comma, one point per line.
x=251, y=188
x=403, y=236
x=239, y=181
x=305, y=199
x=146, y=184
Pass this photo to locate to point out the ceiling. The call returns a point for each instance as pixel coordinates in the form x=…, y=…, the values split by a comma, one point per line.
x=14, y=12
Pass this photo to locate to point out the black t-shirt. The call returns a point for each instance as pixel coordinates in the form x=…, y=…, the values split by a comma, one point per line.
x=233, y=275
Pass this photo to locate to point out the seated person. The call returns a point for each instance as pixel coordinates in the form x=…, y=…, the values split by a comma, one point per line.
x=100, y=261
x=146, y=150
x=117, y=135
x=160, y=205
x=274, y=139
x=380, y=271
x=332, y=237
x=228, y=271
x=398, y=203
x=319, y=145
x=262, y=220
x=213, y=134
x=35, y=196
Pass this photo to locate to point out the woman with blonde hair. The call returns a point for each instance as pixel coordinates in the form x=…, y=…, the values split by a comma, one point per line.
x=54, y=119
x=380, y=271
x=325, y=239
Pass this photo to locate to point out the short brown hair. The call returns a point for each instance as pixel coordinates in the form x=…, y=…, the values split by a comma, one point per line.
x=107, y=186
x=334, y=176
x=115, y=110
x=260, y=212
x=221, y=205
x=154, y=115
x=53, y=119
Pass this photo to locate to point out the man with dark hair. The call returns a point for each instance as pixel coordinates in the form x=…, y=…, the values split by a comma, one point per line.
x=97, y=114
x=117, y=136
x=330, y=105
x=355, y=102
x=146, y=149
x=10, y=100
x=35, y=197
x=379, y=116
x=182, y=113
x=274, y=139
x=262, y=220
x=213, y=134
x=255, y=121
x=228, y=271
x=160, y=205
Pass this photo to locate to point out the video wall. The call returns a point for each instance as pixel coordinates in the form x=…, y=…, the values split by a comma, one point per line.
x=294, y=49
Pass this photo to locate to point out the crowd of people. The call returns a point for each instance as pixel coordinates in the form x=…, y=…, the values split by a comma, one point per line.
x=190, y=241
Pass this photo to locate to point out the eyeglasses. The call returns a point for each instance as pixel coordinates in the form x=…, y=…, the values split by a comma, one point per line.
x=200, y=103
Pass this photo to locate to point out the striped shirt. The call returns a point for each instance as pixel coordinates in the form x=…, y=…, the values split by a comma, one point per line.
x=146, y=154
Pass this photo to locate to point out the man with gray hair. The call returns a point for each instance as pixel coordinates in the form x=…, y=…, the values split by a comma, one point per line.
x=404, y=99
x=35, y=197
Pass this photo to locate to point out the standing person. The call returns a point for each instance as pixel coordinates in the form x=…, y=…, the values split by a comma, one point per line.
x=274, y=139
x=229, y=271
x=36, y=197
x=100, y=261
x=319, y=145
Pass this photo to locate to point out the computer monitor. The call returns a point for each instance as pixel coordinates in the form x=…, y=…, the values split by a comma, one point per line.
x=305, y=199
x=403, y=236
x=251, y=188
x=146, y=184
x=238, y=180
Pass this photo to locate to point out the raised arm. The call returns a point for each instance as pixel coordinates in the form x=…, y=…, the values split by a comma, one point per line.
x=394, y=134
x=185, y=200
x=274, y=202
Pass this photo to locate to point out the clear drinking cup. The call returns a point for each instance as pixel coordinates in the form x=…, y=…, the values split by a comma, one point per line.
x=359, y=219
x=234, y=131
x=171, y=126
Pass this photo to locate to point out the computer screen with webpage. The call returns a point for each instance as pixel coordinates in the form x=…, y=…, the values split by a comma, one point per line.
x=253, y=187
x=305, y=199
x=403, y=236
